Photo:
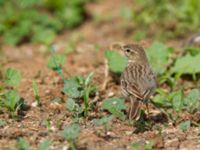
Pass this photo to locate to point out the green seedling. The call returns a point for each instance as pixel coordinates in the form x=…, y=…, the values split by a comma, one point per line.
x=184, y=126
x=12, y=77
x=191, y=101
x=104, y=121
x=177, y=101
x=47, y=124
x=78, y=88
x=12, y=102
x=74, y=107
x=167, y=78
x=139, y=145
x=10, y=99
x=149, y=145
x=2, y=123
x=136, y=145
x=162, y=99
x=70, y=134
x=193, y=50
x=36, y=92
x=45, y=144
x=88, y=88
x=56, y=100
x=56, y=62
x=22, y=144
x=186, y=65
x=115, y=106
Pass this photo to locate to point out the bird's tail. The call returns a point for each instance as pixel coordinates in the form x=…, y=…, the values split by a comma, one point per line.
x=134, y=110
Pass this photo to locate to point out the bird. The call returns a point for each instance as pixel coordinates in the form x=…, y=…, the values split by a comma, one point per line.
x=138, y=81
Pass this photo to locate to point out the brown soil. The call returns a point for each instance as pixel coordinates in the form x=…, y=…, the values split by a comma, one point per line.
x=32, y=62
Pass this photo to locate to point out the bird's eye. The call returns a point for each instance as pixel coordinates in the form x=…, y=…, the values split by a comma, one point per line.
x=128, y=50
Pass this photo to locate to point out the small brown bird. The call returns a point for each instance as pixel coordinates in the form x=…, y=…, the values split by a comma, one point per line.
x=138, y=82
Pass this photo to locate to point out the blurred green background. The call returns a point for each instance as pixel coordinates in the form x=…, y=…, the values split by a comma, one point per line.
x=39, y=21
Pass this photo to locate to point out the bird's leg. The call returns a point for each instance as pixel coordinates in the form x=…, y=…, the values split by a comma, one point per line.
x=134, y=111
x=147, y=106
x=131, y=109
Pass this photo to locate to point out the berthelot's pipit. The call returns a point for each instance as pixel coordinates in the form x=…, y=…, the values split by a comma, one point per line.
x=137, y=80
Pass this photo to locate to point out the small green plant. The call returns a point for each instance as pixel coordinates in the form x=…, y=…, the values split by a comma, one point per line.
x=146, y=146
x=74, y=107
x=186, y=65
x=56, y=62
x=177, y=101
x=2, y=123
x=36, y=92
x=149, y=145
x=10, y=99
x=191, y=101
x=78, y=88
x=56, y=100
x=105, y=121
x=47, y=123
x=12, y=77
x=44, y=145
x=184, y=126
x=70, y=134
x=115, y=106
x=136, y=145
x=22, y=144
x=192, y=50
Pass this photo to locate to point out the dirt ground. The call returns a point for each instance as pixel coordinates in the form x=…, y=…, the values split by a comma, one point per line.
x=31, y=60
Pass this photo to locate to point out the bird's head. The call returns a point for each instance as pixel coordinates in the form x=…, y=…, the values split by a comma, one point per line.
x=134, y=52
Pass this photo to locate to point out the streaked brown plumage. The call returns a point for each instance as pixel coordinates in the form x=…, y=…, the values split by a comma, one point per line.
x=137, y=80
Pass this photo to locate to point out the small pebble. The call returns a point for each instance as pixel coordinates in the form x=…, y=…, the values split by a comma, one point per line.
x=34, y=104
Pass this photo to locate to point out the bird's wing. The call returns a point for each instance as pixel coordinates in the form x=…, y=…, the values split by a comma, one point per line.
x=137, y=82
x=142, y=95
